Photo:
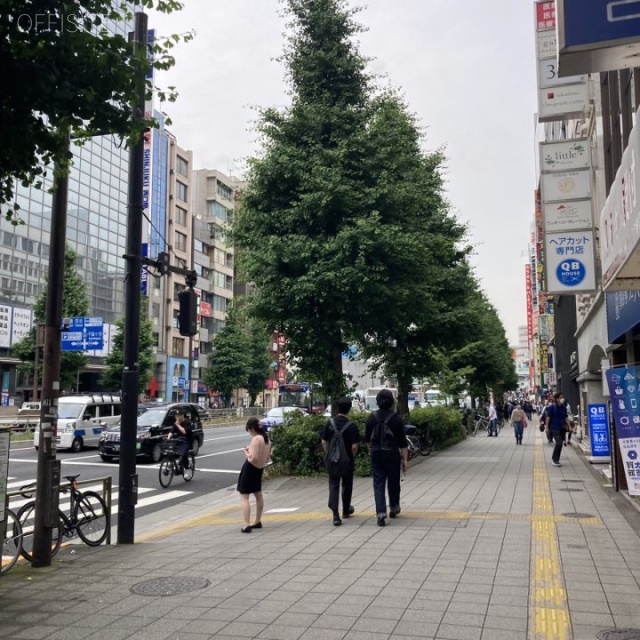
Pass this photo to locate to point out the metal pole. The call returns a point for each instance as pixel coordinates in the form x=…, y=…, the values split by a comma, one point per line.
x=127, y=473
x=48, y=474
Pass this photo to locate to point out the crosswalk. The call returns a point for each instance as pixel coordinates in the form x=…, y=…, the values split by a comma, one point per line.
x=154, y=495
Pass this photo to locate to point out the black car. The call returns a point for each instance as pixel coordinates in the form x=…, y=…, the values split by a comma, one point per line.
x=154, y=423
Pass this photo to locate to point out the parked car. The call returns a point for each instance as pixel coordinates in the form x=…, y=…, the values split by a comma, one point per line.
x=278, y=415
x=28, y=416
x=154, y=423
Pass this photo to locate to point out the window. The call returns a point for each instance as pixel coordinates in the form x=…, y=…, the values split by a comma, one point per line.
x=219, y=303
x=181, y=216
x=218, y=233
x=178, y=346
x=181, y=191
x=222, y=281
x=181, y=241
x=182, y=167
x=224, y=191
x=219, y=257
x=177, y=288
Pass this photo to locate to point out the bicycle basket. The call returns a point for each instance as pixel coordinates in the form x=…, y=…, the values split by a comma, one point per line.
x=168, y=446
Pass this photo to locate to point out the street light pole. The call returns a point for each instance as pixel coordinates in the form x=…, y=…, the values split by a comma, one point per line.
x=128, y=480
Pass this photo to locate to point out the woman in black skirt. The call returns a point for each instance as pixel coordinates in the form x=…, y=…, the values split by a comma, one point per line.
x=250, y=480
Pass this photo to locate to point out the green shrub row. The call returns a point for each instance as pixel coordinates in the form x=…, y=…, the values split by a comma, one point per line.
x=297, y=448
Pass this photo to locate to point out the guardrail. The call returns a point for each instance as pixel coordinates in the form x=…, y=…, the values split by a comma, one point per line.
x=106, y=495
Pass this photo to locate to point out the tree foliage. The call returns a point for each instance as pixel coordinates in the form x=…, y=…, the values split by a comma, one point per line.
x=112, y=376
x=230, y=363
x=75, y=303
x=65, y=71
x=259, y=361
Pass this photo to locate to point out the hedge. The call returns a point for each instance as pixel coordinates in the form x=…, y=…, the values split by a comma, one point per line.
x=297, y=448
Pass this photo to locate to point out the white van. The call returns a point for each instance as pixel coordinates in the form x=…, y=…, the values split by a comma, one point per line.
x=81, y=419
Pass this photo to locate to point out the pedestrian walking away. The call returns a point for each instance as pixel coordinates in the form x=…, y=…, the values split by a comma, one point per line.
x=341, y=469
x=250, y=480
x=387, y=442
x=493, y=420
x=519, y=422
x=557, y=422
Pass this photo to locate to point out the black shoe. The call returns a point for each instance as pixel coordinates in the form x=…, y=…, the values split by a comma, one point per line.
x=394, y=512
x=348, y=513
x=381, y=521
x=257, y=525
x=336, y=521
x=246, y=529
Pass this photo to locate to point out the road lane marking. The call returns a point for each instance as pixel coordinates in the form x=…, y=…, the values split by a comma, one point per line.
x=548, y=612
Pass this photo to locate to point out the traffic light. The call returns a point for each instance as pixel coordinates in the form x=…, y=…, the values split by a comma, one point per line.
x=163, y=263
x=188, y=317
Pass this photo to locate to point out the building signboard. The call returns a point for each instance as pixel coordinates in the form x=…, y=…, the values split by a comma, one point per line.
x=566, y=155
x=527, y=273
x=567, y=216
x=597, y=35
x=548, y=75
x=566, y=185
x=598, y=430
x=624, y=389
x=623, y=314
x=563, y=103
x=570, y=262
x=620, y=218
x=5, y=326
x=21, y=324
x=547, y=44
x=545, y=16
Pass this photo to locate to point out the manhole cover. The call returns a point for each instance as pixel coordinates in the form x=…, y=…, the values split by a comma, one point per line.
x=580, y=515
x=619, y=634
x=572, y=480
x=569, y=489
x=169, y=586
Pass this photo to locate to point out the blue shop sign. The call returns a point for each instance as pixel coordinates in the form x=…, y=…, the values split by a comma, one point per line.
x=599, y=430
x=623, y=314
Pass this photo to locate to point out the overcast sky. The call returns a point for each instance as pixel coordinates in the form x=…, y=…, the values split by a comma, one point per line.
x=467, y=69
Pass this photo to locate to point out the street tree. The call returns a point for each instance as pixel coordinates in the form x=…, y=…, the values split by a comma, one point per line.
x=112, y=376
x=229, y=365
x=75, y=303
x=260, y=360
x=321, y=223
x=64, y=71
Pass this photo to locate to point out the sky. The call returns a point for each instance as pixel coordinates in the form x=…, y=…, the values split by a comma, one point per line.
x=466, y=68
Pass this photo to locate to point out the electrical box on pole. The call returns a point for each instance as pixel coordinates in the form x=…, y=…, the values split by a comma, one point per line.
x=188, y=316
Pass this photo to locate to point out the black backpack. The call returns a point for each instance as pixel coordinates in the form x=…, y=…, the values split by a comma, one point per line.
x=382, y=438
x=337, y=460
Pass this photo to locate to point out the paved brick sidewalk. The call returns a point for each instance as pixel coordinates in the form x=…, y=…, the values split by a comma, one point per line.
x=493, y=543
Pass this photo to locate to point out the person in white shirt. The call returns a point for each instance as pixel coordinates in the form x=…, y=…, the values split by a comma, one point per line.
x=493, y=420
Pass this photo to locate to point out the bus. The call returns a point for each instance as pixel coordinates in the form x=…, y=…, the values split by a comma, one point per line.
x=294, y=394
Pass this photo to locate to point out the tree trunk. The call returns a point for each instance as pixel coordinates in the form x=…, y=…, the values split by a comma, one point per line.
x=404, y=386
x=336, y=387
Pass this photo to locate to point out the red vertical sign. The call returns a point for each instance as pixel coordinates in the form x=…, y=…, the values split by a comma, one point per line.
x=545, y=16
x=527, y=270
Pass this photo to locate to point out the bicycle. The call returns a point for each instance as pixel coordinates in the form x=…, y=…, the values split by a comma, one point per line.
x=88, y=517
x=419, y=441
x=171, y=465
x=12, y=542
x=480, y=422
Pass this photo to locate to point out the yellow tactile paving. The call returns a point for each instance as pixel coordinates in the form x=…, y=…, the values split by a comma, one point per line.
x=549, y=613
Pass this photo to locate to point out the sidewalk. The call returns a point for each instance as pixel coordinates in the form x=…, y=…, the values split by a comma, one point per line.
x=493, y=543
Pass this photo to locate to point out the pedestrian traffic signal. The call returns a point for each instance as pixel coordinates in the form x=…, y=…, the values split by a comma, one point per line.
x=188, y=316
x=163, y=263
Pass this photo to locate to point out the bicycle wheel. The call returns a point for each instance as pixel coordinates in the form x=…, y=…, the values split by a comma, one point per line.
x=91, y=518
x=426, y=445
x=12, y=543
x=26, y=520
x=475, y=429
x=187, y=474
x=165, y=473
x=414, y=446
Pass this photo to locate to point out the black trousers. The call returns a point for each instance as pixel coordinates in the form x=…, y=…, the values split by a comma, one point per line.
x=334, y=492
x=558, y=437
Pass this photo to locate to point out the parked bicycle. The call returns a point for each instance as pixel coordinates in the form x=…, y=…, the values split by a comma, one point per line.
x=481, y=424
x=88, y=517
x=12, y=541
x=171, y=464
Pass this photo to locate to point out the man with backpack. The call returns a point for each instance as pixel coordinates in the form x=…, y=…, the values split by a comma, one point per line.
x=388, y=450
x=340, y=441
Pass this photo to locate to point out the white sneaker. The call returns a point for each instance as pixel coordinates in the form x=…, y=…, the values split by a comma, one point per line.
x=556, y=464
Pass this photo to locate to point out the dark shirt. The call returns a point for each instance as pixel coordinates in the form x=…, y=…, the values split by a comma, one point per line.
x=188, y=427
x=350, y=435
x=395, y=424
x=557, y=414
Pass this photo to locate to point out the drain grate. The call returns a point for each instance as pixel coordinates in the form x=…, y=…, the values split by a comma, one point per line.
x=619, y=634
x=169, y=586
x=578, y=515
x=572, y=480
x=569, y=489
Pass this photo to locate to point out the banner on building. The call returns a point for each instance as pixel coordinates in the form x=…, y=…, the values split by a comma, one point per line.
x=598, y=430
x=624, y=383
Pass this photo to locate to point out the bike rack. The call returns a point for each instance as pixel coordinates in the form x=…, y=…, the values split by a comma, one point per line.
x=106, y=495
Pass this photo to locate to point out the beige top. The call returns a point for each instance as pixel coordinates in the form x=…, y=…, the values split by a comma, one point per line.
x=258, y=452
x=517, y=415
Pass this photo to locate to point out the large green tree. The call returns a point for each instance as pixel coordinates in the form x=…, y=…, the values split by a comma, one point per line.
x=62, y=73
x=75, y=303
x=112, y=376
x=230, y=363
x=260, y=360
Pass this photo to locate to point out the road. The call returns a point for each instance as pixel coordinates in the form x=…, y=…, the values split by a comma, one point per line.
x=217, y=466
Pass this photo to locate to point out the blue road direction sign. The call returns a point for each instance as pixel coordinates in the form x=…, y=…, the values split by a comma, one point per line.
x=599, y=430
x=83, y=334
x=597, y=35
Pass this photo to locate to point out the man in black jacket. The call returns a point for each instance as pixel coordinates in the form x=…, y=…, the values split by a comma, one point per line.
x=387, y=442
x=182, y=431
